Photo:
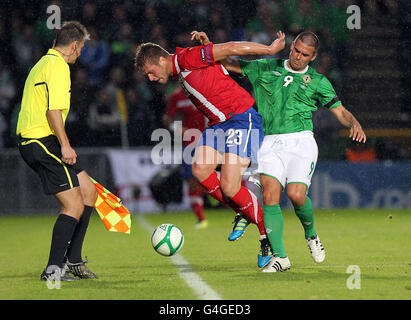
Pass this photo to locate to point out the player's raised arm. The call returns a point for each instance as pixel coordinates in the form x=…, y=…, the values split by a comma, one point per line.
x=200, y=36
x=348, y=120
x=222, y=51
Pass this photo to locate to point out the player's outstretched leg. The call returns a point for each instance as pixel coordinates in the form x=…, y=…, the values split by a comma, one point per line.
x=274, y=223
x=212, y=186
x=316, y=249
x=240, y=224
x=265, y=254
x=240, y=221
x=250, y=209
x=306, y=215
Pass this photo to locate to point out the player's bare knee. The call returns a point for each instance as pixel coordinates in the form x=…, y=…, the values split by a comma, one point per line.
x=89, y=195
x=201, y=172
x=229, y=188
x=195, y=171
x=74, y=209
x=297, y=197
x=269, y=199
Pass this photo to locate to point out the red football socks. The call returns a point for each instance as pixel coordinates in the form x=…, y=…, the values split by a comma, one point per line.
x=244, y=201
x=249, y=206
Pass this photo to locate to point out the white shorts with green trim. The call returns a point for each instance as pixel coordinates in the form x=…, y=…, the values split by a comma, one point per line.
x=289, y=158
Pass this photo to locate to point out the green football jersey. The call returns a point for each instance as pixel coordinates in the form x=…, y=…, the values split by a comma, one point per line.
x=286, y=98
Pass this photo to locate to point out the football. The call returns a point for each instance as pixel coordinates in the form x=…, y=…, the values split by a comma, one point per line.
x=167, y=239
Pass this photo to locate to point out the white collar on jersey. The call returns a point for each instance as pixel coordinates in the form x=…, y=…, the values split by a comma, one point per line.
x=293, y=71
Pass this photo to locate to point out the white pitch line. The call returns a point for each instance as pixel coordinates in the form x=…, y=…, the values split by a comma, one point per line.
x=193, y=280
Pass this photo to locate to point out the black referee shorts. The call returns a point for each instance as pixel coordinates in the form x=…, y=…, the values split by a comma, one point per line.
x=43, y=155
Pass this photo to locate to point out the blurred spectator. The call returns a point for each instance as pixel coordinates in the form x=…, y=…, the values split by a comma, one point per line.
x=266, y=36
x=266, y=22
x=327, y=68
x=183, y=40
x=7, y=92
x=376, y=7
x=7, y=88
x=201, y=12
x=150, y=19
x=115, y=90
x=43, y=34
x=95, y=58
x=5, y=54
x=142, y=88
x=104, y=121
x=139, y=119
x=81, y=97
x=220, y=36
x=240, y=12
x=335, y=17
x=117, y=17
x=89, y=15
x=115, y=84
x=26, y=50
x=217, y=21
x=121, y=45
x=302, y=15
x=158, y=36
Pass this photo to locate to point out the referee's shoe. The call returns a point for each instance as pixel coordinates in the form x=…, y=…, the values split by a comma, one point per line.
x=79, y=269
x=56, y=274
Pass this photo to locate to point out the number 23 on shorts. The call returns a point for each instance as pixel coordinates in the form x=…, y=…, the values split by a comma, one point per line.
x=234, y=137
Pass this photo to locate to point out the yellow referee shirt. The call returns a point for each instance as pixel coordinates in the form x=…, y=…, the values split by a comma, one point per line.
x=47, y=87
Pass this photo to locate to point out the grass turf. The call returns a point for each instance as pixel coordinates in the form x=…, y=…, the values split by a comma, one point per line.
x=128, y=268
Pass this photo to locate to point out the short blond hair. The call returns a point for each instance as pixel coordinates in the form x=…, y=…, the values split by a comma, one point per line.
x=71, y=31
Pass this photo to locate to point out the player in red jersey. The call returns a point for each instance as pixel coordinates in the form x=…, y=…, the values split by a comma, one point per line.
x=235, y=130
x=180, y=107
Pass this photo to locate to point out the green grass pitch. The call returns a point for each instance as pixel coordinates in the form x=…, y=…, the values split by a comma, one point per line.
x=377, y=241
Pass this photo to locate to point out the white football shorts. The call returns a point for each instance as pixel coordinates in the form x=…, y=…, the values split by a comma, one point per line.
x=289, y=157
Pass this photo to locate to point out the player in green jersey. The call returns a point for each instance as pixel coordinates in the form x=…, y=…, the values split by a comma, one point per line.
x=287, y=92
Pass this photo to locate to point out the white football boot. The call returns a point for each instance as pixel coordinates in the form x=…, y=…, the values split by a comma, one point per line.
x=277, y=264
x=316, y=249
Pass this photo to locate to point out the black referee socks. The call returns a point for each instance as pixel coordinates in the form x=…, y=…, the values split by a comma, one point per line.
x=62, y=233
x=76, y=244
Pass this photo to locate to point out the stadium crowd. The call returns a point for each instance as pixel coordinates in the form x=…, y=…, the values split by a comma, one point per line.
x=111, y=104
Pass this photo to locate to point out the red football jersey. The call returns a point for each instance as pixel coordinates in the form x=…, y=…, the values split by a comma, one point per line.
x=208, y=84
x=192, y=118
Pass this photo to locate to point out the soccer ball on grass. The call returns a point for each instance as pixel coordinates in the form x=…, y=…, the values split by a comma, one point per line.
x=167, y=239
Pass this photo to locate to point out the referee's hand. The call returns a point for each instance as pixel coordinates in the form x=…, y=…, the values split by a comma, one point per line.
x=69, y=156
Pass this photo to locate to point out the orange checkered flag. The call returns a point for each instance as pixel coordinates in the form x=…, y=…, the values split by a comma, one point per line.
x=114, y=215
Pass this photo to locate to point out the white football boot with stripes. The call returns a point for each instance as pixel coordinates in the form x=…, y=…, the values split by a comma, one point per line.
x=277, y=264
x=316, y=249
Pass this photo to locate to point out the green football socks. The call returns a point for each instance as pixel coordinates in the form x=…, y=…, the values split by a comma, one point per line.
x=306, y=215
x=274, y=226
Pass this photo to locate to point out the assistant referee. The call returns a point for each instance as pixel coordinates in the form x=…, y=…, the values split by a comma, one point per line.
x=45, y=147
